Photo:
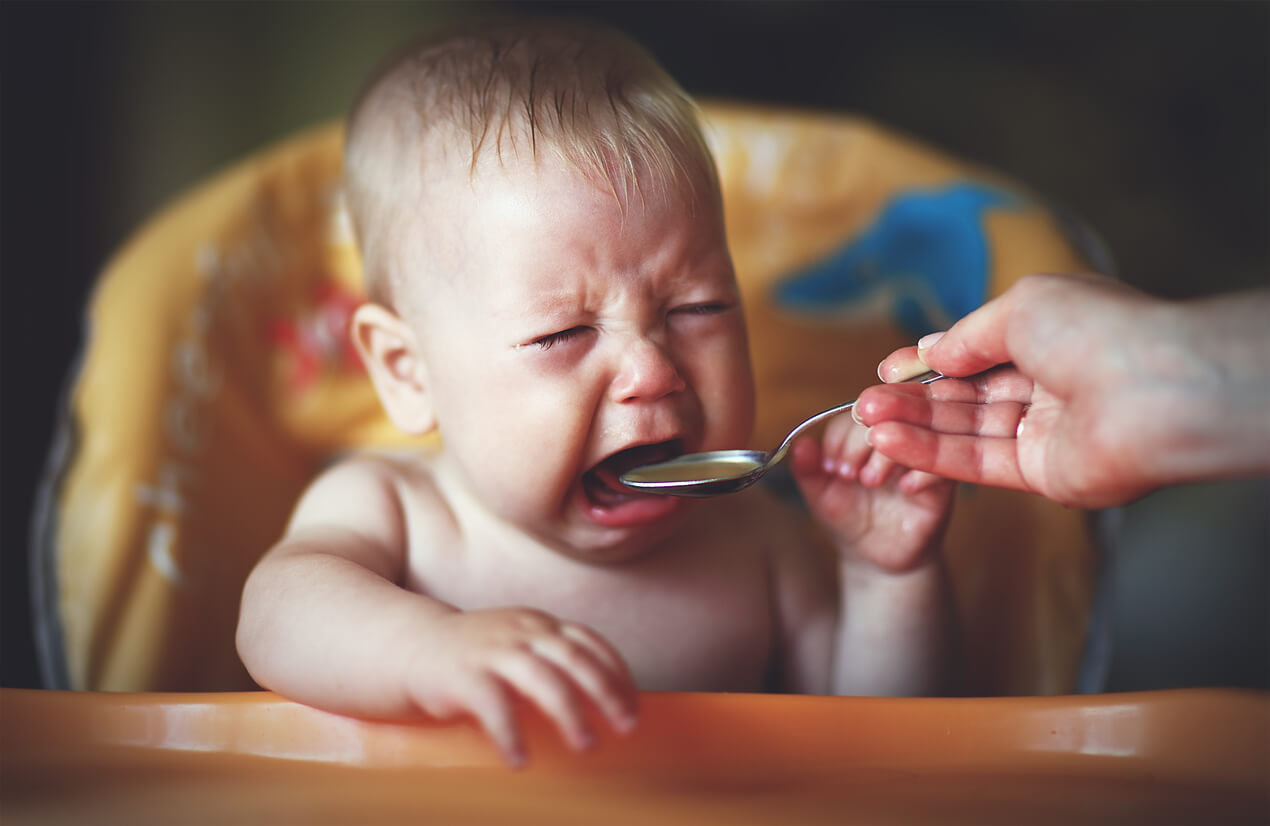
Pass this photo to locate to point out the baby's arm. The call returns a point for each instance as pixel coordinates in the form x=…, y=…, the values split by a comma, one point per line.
x=325, y=622
x=895, y=628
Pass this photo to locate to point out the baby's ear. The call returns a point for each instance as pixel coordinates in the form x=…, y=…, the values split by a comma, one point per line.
x=390, y=351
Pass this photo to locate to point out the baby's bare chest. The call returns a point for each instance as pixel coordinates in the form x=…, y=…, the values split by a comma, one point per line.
x=704, y=625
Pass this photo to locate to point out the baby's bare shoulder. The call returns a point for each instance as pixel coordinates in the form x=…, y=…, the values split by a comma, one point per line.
x=375, y=493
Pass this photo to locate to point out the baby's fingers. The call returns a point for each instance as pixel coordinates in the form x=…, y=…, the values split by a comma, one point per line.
x=856, y=460
x=599, y=648
x=844, y=449
x=596, y=669
x=486, y=698
x=809, y=466
x=545, y=686
x=876, y=469
x=913, y=482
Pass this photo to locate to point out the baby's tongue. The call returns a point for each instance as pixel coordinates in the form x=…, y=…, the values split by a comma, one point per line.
x=609, y=502
x=603, y=483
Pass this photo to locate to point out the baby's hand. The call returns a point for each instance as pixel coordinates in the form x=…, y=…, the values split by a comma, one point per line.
x=876, y=510
x=480, y=662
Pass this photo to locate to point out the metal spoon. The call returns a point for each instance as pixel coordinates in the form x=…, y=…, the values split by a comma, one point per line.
x=717, y=472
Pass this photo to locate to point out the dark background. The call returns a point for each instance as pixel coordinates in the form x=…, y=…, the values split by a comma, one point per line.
x=1150, y=119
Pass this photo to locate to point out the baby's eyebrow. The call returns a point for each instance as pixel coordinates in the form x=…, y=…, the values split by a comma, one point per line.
x=549, y=308
x=551, y=303
x=548, y=298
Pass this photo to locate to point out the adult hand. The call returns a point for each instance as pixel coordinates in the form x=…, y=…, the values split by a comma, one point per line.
x=1104, y=393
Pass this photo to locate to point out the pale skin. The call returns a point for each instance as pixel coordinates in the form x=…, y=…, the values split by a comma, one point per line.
x=504, y=570
x=1124, y=393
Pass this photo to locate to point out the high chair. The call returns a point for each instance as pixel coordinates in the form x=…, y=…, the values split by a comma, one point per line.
x=217, y=380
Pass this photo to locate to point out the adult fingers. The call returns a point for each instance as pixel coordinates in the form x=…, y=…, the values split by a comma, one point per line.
x=968, y=458
x=977, y=341
x=1005, y=329
x=998, y=419
x=1002, y=384
x=901, y=365
x=959, y=408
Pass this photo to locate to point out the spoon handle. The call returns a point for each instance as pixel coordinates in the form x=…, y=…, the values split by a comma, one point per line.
x=779, y=453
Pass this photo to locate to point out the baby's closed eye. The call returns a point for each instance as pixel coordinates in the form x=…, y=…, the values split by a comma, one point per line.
x=702, y=318
x=562, y=337
x=704, y=309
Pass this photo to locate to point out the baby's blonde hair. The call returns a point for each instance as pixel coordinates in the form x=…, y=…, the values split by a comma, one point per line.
x=586, y=94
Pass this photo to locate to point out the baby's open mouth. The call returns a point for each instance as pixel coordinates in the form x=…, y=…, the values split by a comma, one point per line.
x=602, y=484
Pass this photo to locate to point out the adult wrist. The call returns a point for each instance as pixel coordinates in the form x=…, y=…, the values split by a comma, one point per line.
x=1218, y=405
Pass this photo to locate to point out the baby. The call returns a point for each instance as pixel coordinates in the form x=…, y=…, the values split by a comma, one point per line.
x=551, y=288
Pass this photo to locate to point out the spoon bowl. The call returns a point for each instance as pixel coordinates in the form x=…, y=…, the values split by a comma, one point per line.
x=716, y=472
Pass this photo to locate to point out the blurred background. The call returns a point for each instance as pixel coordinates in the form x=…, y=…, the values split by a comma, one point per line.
x=1149, y=119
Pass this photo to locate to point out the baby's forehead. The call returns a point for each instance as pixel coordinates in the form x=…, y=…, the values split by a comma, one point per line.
x=495, y=180
x=548, y=212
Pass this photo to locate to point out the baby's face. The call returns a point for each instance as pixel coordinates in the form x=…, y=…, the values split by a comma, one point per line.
x=568, y=340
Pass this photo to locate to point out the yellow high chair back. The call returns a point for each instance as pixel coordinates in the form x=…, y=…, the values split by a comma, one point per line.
x=217, y=380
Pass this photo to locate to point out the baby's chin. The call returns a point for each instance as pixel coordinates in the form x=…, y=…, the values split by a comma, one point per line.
x=604, y=544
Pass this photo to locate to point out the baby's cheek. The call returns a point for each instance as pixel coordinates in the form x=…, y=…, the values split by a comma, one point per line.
x=740, y=399
x=523, y=457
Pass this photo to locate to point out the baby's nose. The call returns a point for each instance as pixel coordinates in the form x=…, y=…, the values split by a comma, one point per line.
x=646, y=373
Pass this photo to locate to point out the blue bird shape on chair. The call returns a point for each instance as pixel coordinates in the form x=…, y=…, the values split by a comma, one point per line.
x=925, y=260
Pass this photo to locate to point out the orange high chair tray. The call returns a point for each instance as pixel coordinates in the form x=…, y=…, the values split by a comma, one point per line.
x=1190, y=756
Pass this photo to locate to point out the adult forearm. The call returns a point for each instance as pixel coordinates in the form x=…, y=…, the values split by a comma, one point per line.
x=1217, y=421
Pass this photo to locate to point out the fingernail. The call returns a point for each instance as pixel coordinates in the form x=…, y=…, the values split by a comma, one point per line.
x=855, y=415
x=928, y=341
x=868, y=437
